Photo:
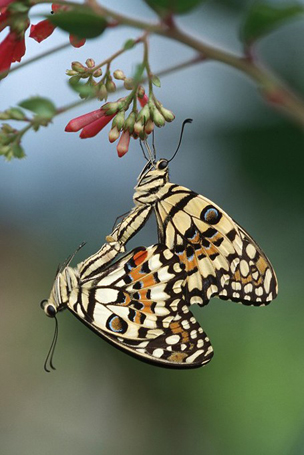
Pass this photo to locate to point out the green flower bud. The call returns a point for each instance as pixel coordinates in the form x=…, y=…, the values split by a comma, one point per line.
x=110, y=86
x=168, y=115
x=144, y=114
x=71, y=73
x=129, y=123
x=114, y=134
x=149, y=127
x=4, y=115
x=138, y=128
x=77, y=66
x=157, y=117
x=110, y=108
x=102, y=92
x=16, y=114
x=119, y=75
x=129, y=83
x=140, y=91
x=90, y=63
x=8, y=129
x=119, y=120
x=97, y=73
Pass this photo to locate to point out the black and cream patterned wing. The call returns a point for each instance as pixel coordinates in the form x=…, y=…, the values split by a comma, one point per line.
x=221, y=259
x=137, y=304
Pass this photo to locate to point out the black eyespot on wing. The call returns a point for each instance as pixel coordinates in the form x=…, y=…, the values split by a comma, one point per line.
x=116, y=324
x=162, y=164
x=210, y=215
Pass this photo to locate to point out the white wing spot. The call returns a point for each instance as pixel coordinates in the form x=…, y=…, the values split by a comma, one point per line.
x=158, y=352
x=173, y=339
x=251, y=251
x=244, y=267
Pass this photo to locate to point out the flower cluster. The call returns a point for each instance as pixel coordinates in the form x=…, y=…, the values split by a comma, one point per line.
x=99, y=89
x=138, y=124
x=14, y=14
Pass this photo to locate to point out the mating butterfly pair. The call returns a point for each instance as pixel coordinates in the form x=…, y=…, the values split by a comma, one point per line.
x=141, y=302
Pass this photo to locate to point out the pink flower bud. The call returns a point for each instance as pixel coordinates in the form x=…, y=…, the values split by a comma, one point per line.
x=123, y=144
x=79, y=122
x=143, y=101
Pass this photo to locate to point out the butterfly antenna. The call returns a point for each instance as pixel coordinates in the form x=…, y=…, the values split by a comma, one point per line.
x=143, y=150
x=188, y=120
x=50, y=355
x=69, y=259
x=153, y=145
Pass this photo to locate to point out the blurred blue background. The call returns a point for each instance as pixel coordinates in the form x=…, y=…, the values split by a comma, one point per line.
x=239, y=153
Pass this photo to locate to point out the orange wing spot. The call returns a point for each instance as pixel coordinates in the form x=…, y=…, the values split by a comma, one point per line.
x=177, y=357
x=261, y=265
x=137, y=318
x=140, y=257
x=185, y=336
x=196, y=238
x=148, y=281
x=176, y=327
x=211, y=250
x=147, y=307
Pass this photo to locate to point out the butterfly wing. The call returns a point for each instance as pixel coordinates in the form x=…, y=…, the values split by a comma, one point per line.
x=221, y=258
x=137, y=304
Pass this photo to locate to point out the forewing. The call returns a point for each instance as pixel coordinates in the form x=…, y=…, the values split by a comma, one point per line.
x=221, y=258
x=138, y=305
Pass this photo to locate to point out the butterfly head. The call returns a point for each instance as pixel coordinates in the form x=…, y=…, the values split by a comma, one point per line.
x=152, y=178
x=57, y=300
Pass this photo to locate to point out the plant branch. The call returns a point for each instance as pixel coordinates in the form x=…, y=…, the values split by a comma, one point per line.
x=272, y=88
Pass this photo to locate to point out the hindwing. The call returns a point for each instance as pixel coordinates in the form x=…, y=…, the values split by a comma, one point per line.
x=138, y=305
x=220, y=257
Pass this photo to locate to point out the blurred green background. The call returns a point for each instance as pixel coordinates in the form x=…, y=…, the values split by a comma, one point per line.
x=239, y=153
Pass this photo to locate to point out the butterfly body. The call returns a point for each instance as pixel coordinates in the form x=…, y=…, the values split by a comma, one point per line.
x=220, y=257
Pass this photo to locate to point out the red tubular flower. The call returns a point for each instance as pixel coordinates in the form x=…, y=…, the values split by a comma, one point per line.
x=90, y=123
x=93, y=128
x=42, y=30
x=79, y=122
x=123, y=144
x=12, y=49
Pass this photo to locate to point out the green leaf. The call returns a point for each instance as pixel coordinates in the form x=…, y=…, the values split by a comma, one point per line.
x=18, y=151
x=167, y=7
x=81, y=22
x=41, y=106
x=263, y=17
x=129, y=44
x=84, y=90
x=156, y=81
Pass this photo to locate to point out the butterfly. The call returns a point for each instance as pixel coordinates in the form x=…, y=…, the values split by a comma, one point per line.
x=136, y=303
x=221, y=259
